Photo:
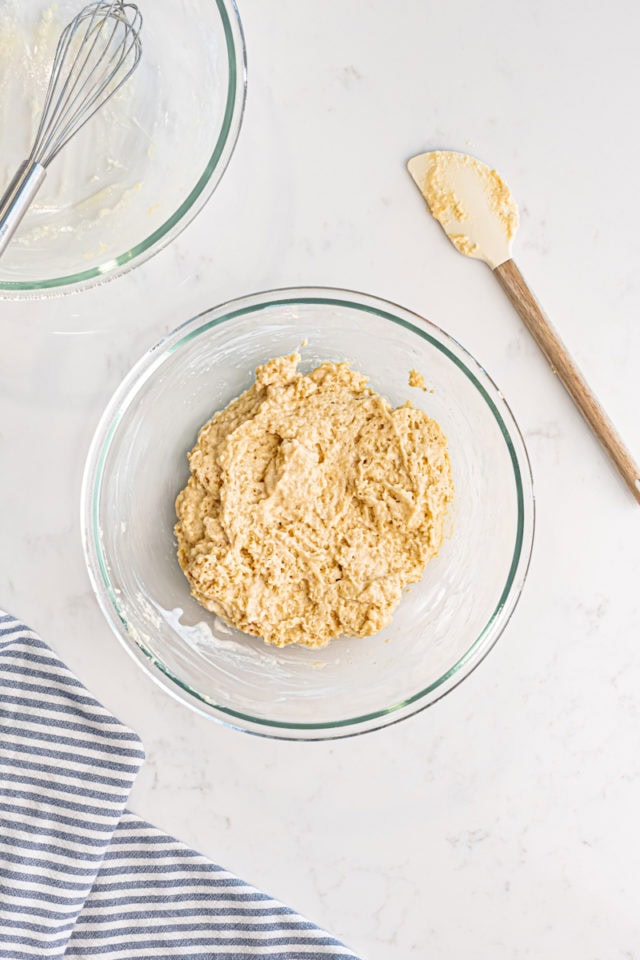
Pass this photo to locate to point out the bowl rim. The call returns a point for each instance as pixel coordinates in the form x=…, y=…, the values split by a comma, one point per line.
x=190, y=206
x=97, y=566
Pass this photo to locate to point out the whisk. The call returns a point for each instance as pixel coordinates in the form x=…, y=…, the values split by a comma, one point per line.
x=97, y=52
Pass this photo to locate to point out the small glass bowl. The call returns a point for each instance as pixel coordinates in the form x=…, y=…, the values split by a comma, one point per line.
x=143, y=167
x=444, y=625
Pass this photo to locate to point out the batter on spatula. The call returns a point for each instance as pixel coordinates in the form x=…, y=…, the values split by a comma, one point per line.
x=311, y=505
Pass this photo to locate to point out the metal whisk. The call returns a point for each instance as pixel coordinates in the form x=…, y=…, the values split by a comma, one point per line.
x=97, y=52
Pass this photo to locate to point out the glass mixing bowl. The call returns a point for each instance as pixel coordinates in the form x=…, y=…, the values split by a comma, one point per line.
x=144, y=165
x=444, y=625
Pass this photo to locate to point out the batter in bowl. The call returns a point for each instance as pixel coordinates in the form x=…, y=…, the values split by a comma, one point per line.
x=311, y=505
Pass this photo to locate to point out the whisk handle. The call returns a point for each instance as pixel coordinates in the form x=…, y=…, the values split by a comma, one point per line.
x=17, y=199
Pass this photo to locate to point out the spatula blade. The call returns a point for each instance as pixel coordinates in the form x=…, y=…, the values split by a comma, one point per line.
x=471, y=202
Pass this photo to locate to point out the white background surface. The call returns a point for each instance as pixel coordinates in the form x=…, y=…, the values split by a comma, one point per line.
x=502, y=822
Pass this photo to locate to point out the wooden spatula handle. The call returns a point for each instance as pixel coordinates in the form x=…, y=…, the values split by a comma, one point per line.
x=515, y=287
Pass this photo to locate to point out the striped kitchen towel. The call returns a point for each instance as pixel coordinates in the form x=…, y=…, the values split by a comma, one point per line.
x=80, y=875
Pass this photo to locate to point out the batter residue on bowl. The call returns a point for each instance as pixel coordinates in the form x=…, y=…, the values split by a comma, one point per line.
x=311, y=505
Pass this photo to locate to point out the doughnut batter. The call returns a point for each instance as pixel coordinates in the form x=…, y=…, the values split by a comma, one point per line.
x=311, y=505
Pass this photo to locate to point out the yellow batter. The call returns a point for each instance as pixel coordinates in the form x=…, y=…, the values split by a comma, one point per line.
x=311, y=504
x=446, y=205
x=417, y=380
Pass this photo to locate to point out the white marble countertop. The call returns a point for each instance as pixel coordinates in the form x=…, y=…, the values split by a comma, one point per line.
x=502, y=822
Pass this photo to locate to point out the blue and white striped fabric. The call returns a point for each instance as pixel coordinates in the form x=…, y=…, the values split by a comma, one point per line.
x=80, y=875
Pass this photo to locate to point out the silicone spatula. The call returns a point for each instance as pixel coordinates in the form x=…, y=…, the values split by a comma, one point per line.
x=473, y=205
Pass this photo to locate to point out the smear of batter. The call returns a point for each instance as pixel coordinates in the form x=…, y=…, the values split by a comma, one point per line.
x=470, y=201
x=311, y=505
x=443, y=201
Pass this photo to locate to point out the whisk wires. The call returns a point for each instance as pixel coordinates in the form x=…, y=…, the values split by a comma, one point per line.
x=96, y=54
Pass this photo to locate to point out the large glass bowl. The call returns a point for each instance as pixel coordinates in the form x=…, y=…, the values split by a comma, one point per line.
x=444, y=625
x=143, y=166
